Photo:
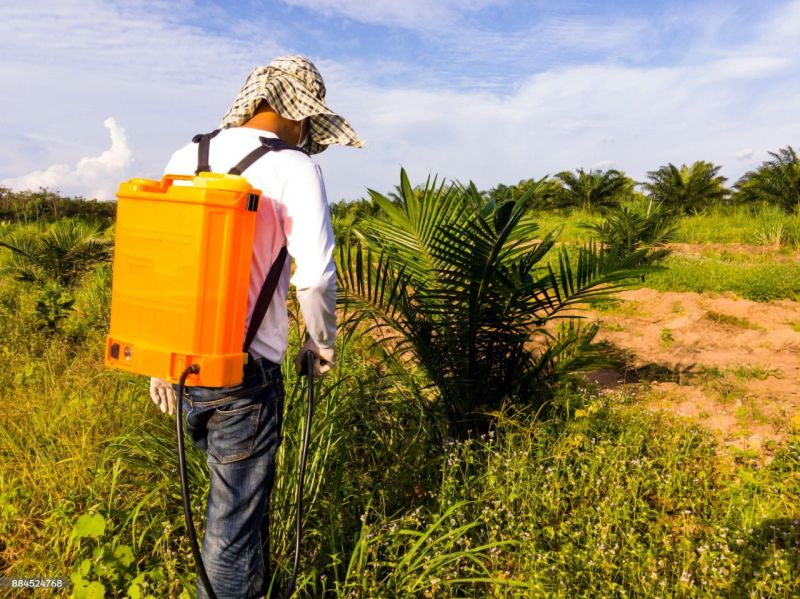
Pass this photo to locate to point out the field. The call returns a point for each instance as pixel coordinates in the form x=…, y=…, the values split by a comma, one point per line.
x=671, y=468
x=728, y=363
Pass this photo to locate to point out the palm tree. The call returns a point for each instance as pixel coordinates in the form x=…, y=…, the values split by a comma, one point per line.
x=61, y=254
x=776, y=181
x=644, y=224
x=543, y=191
x=344, y=215
x=592, y=190
x=688, y=188
x=452, y=279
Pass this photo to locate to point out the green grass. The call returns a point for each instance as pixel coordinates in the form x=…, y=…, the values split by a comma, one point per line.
x=592, y=497
x=740, y=224
x=760, y=276
x=621, y=501
x=755, y=372
x=743, y=372
x=760, y=225
x=595, y=497
x=568, y=220
x=726, y=391
x=756, y=277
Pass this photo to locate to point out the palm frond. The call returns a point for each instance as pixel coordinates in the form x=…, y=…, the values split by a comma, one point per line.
x=61, y=253
x=453, y=278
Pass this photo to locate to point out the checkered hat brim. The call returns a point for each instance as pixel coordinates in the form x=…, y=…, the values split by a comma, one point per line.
x=293, y=87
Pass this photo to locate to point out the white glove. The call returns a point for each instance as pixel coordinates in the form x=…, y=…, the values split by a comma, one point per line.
x=323, y=358
x=162, y=395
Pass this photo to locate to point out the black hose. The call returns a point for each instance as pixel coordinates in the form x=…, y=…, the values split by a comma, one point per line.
x=187, y=508
x=308, y=371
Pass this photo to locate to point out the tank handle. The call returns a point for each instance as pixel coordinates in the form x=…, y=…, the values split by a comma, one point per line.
x=167, y=180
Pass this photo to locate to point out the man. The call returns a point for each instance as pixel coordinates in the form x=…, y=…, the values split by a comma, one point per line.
x=239, y=427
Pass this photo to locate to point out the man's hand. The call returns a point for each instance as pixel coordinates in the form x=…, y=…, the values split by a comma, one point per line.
x=162, y=395
x=323, y=358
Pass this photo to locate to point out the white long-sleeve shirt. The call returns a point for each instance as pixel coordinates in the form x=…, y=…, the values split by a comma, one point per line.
x=293, y=211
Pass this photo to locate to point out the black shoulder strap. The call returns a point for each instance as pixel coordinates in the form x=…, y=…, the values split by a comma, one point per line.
x=204, y=141
x=268, y=144
x=265, y=297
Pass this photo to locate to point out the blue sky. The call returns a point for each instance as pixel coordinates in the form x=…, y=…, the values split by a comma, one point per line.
x=489, y=90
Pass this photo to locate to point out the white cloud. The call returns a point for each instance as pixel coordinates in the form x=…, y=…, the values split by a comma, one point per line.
x=745, y=154
x=636, y=118
x=96, y=176
x=605, y=165
x=146, y=63
x=412, y=14
x=167, y=79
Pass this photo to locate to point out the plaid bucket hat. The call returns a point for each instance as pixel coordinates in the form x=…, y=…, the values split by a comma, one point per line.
x=293, y=87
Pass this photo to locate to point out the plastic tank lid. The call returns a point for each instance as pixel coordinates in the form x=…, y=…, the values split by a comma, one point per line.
x=221, y=181
x=211, y=181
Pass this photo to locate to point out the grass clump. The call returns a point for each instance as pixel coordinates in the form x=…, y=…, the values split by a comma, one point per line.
x=733, y=321
x=755, y=372
x=619, y=307
x=758, y=223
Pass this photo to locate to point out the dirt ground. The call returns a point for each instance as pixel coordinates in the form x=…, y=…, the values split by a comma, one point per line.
x=730, y=364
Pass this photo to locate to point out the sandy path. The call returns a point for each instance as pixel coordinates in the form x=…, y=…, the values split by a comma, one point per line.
x=731, y=364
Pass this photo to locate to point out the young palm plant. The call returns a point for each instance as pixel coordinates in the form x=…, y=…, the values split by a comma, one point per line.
x=61, y=254
x=688, y=188
x=645, y=224
x=462, y=286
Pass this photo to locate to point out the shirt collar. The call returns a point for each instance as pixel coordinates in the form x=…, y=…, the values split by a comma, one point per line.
x=253, y=131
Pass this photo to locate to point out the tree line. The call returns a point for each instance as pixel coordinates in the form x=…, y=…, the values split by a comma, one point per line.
x=44, y=205
x=686, y=189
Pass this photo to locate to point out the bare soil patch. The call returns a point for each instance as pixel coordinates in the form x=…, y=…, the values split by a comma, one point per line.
x=731, y=364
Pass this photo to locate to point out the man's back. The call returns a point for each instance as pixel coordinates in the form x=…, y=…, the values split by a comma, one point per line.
x=293, y=211
x=239, y=427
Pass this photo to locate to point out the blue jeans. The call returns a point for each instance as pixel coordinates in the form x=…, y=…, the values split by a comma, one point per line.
x=239, y=428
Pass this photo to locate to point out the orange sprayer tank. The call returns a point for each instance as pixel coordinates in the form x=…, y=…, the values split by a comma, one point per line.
x=182, y=259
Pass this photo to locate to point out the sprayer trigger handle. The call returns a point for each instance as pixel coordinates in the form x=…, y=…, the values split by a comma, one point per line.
x=306, y=367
